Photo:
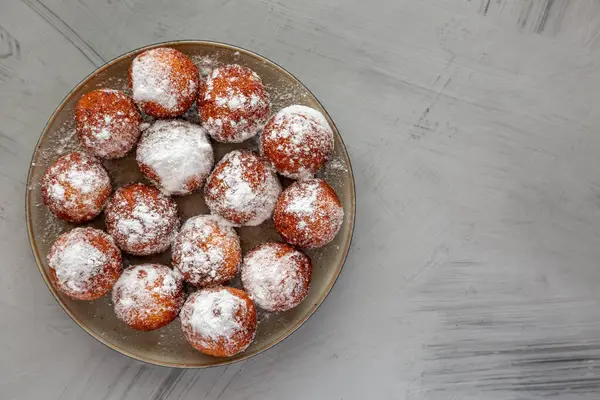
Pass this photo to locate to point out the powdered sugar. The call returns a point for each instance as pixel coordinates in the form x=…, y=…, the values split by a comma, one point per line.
x=86, y=263
x=64, y=143
x=337, y=165
x=76, y=187
x=143, y=224
x=276, y=276
x=77, y=263
x=214, y=314
x=240, y=193
x=137, y=281
x=304, y=201
x=107, y=123
x=233, y=103
x=243, y=188
x=147, y=290
x=150, y=80
x=305, y=204
x=219, y=321
x=179, y=153
x=237, y=101
x=308, y=214
x=205, y=64
x=207, y=250
x=141, y=219
x=298, y=140
x=77, y=176
x=153, y=80
x=79, y=180
x=254, y=100
x=57, y=192
x=309, y=112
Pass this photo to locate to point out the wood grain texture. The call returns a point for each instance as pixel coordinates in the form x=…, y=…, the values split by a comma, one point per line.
x=473, y=131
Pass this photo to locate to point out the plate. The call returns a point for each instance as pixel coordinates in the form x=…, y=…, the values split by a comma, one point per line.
x=167, y=346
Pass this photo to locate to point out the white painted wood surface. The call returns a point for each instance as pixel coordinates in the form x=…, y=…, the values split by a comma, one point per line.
x=473, y=128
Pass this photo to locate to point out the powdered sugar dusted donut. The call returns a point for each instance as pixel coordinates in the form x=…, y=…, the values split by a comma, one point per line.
x=76, y=187
x=308, y=214
x=176, y=155
x=164, y=82
x=207, y=251
x=243, y=188
x=84, y=263
x=219, y=321
x=148, y=296
x=141, y=219
x=233, y=104
x=276, y=276
x=298, y=141
x=107, y=123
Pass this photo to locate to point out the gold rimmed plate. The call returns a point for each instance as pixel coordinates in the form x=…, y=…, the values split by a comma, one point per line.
x=167, y=346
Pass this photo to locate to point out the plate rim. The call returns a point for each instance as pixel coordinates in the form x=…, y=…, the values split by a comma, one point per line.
x=124, y=351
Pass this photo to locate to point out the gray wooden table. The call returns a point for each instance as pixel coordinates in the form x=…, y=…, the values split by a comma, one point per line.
x=474, y=131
